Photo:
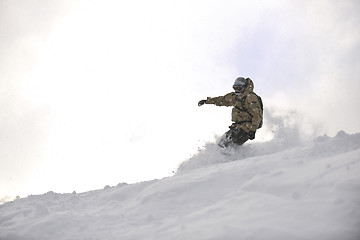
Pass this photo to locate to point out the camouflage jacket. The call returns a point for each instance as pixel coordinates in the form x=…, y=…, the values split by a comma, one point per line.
x=247, y=115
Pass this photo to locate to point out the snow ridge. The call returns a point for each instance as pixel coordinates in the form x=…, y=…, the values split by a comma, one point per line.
x=275, y=190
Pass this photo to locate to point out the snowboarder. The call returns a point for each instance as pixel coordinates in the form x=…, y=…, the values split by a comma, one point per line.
x=247, y=112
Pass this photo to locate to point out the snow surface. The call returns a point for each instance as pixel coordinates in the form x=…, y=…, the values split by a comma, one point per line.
x=276, y=190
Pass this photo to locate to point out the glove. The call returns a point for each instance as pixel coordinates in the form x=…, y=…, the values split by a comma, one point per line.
x=201, y=102
x=251, y=135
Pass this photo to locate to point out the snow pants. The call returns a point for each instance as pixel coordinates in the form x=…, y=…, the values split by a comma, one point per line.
x=234, y=136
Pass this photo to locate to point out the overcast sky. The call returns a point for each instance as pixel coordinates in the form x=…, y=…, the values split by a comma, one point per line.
x=101, y=92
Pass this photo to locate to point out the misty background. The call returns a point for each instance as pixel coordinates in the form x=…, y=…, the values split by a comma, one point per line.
x=95, y=93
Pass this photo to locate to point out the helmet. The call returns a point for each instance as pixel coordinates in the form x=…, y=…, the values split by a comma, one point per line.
x=240, y=81
x=240, y=84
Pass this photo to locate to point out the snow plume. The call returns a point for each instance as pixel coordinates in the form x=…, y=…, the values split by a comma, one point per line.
x=286, y=128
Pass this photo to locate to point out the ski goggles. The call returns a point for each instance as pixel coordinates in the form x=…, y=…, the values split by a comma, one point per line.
x=239, y=88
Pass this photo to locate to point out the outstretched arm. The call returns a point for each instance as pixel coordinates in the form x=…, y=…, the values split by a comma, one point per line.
x=227, y=100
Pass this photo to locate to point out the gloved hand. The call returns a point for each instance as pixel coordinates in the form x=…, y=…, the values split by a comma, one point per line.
x=251, y=135
x=201, y=102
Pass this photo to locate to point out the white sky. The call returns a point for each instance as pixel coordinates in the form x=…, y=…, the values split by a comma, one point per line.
x=101, y=92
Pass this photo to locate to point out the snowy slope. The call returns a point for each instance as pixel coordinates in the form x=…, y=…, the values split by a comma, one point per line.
x=275, y=190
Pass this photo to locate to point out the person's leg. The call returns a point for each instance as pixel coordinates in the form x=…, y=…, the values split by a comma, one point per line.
x=239, y=136
x=225, y=140
x=235, y=136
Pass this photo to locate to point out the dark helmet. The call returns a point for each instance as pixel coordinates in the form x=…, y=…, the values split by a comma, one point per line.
x=240, y=84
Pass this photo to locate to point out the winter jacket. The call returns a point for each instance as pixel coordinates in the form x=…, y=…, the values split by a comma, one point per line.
x=246, y=116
